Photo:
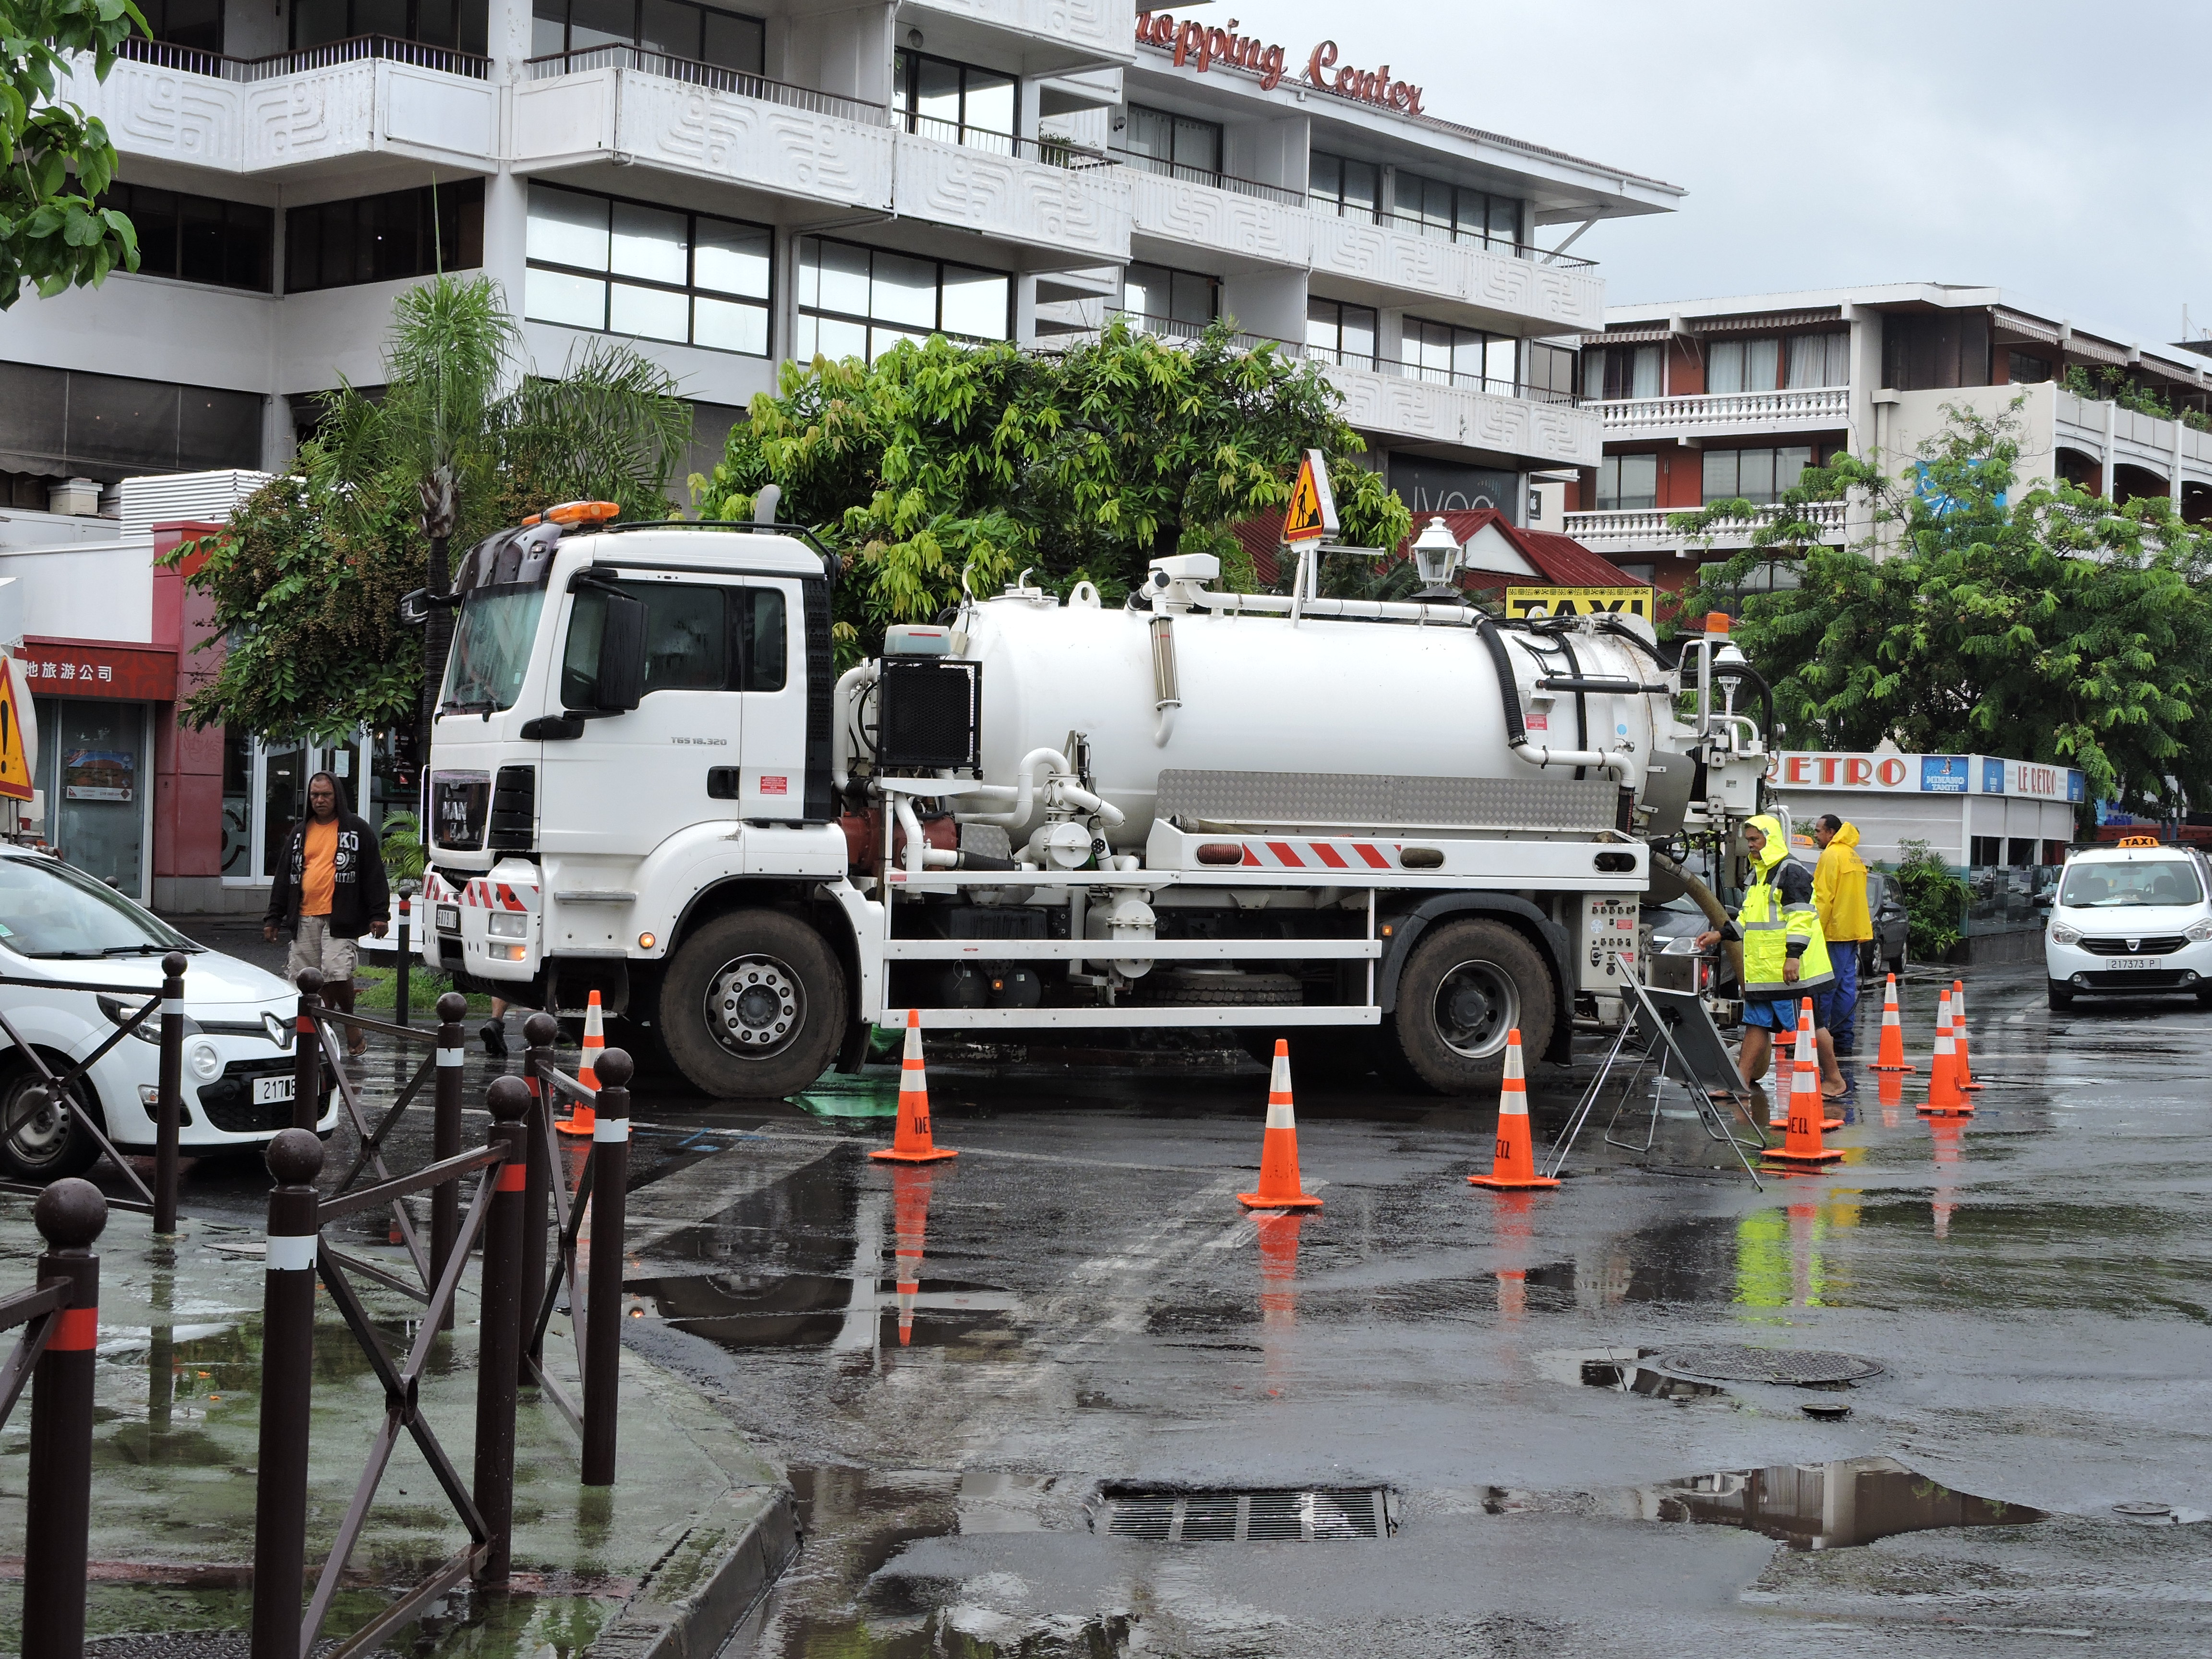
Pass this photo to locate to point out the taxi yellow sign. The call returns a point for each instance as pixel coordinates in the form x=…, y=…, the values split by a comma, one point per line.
x=1578, y=601
x=15, y=757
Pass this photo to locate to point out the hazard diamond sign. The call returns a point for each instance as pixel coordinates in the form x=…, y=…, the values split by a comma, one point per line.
x=1313, y=505
x=15, y=753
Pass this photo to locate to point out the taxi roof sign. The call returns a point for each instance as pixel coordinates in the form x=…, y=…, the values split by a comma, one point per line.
x=1312, y=514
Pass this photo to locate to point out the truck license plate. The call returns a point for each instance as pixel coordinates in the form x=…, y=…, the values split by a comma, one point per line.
x=449, y=918
x=270, y=1091
x=2136, y=962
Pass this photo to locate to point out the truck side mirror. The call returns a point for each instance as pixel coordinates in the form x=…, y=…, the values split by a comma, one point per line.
x=622, y=654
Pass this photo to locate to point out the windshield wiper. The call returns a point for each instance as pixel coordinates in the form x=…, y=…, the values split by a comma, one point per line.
x=134, y=950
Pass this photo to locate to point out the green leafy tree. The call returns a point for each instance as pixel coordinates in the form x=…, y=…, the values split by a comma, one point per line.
x=54, y=160
x=1935, y=901
x=2044, y=624
x=308, y=579
x=940, y=459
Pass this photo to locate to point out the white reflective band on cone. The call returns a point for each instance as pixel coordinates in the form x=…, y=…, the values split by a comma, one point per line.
x=291, y=1253
x=1279, y=1115
x=610, y=1128
x=453, y=1056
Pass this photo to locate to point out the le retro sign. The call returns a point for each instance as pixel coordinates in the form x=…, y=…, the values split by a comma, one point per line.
x=1195, y=44
x=1927, y=774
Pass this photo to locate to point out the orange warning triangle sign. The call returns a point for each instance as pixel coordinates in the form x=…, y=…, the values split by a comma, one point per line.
x=1313, y=507
x=15, y=758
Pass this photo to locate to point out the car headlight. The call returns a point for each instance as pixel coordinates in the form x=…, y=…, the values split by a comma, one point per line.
x=2199, y=932
x=206, y=1064
x=148, y=1029
x=2061, y=935
x=508, y=924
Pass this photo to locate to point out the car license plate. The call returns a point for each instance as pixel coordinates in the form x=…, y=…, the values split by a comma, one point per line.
x=449, y=918
x=270, y=1091
x=2136, y=962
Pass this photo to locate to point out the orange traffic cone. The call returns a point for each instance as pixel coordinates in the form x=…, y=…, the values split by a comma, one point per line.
x=1946, y=1134
x=910, y=1196
x=1513, y=1163
x=1960, y=1059
x=1891, y=1058
x=1279, y=1186
x=1943, y=1094
x=1801, y=1142
x=586, y=1118
x=911, y=1142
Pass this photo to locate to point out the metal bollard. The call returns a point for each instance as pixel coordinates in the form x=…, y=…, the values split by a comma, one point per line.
x=70, y=1214
x=287, y=1374
x=446, y=1134
x=603, y=1335
x=499, y=1336
x=400, y=996
x=307, y=1053
x=169, y=1100
x=540, y=1032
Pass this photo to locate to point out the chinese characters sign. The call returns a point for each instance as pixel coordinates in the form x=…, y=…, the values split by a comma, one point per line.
x=77, y=668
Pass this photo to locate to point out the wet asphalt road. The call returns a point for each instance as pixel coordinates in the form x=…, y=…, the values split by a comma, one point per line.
x=1097, y=1320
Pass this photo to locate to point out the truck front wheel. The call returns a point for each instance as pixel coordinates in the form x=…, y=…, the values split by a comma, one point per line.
x=752, y=1005
x=1468, y=984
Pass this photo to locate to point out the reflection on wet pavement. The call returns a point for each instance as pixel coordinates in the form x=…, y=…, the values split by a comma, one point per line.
x=1825, y=1507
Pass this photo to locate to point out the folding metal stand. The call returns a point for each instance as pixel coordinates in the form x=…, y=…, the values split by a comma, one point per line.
x=1637, y=1009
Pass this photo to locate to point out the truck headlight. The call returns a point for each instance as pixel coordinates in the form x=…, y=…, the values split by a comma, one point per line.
x=2061, y=935
x=2199, y=932
x=508, y=924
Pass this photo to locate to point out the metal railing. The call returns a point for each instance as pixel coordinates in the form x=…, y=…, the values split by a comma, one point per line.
x=1185, y=174
x=162, y=54
x=1481, y=242
x=742, y=82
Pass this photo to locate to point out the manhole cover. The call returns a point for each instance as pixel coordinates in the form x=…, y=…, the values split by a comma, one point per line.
x=1243, y=1517
x=1729, y=1363
x=2143, y=1511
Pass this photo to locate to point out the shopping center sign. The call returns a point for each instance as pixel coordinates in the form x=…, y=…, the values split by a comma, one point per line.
x=1200, y=47
x=1926, y=775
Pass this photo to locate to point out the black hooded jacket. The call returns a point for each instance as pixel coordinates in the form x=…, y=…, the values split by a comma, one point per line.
x=360, y=896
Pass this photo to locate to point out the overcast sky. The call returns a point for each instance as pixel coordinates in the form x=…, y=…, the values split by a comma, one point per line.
x=1889, y=141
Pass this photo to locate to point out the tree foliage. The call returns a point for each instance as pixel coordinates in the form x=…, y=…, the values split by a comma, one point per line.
x=940, y=459
x=307, y=578
x=2044, y=624
x=54, y=160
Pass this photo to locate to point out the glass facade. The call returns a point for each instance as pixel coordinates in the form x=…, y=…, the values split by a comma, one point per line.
x=668, y=28
x=618, y=267
x=1453, y=213
x=1164, y=301
x=1459, y=356
x=1758, y=476
x=1752, y=365
x=197, y=238
x=1338, y=331
x=1628, y=482
x=857, y=301
x=1176, y=145
x=456, y=23
x=955, y=103
x=94, y=772
x=1339, y=186
x=384, y=238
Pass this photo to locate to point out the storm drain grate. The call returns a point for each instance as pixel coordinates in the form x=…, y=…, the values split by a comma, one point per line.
x=1244, y=1517
x=1801, y=1367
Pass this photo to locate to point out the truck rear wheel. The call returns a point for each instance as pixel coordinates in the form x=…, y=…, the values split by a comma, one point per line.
x=1467, y=984
x=753, y=1006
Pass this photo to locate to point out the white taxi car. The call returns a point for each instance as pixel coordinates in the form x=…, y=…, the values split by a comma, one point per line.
x=56, y=923
x=2130, y=920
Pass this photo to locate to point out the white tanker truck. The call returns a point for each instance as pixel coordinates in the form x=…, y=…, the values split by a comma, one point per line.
x=1391, y=831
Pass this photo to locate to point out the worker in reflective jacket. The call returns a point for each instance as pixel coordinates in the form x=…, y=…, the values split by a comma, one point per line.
x=1786, y=957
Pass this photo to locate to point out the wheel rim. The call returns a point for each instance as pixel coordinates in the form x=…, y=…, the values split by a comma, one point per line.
x=1477, y=1003
x=38, y=1135
x=755, y=1006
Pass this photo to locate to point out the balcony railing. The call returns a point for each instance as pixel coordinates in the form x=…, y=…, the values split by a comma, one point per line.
x=192, y=60
x=1052, y=152
x=742, y=82
x=1651, y=524
x=1711, y=408
x=1185, y=174
x=1406, y=225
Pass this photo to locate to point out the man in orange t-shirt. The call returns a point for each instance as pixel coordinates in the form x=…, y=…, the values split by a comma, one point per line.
x=329, y=891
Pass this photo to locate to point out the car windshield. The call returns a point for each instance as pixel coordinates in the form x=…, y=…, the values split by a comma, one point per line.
x=491, y=650
x=2145, y=881
x=48, y=909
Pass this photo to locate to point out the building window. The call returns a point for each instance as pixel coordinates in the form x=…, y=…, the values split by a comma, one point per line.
x=1339, y=332
x=1176, y=303
x=667, y=29
x=1817, y=360
x=657, y=273
x=197, y=238
x=2024, y=370
x=1612, y=373
x=456, y=23
x=1733, y=366
x=1930, y=351
x=955, y=103
x=1459, y=356
x=1174, y=145
x=857, y=301
x=1550, y=373
x=1430, y=207
x=1758, y=476
x=1984, y=851
x=384, y=238
x=63, y=422
x=1346, y=188
x=1626, y=482
x=194, y=23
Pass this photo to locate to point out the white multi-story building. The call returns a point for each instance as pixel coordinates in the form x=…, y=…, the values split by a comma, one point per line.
x=1719, y=400
x=734, y=186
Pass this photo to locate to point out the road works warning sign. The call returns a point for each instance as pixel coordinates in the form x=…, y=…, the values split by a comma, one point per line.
x=1313, y=507
x=14, y=750
x=1578, y=601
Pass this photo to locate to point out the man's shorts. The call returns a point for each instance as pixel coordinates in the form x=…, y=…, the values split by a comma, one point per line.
x=1780, y=1013
x=315, y=946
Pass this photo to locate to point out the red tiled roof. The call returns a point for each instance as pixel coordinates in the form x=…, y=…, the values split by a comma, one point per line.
x=1560, y=560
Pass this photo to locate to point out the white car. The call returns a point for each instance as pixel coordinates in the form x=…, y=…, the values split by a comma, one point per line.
x=2130, y=920
x=59, y=923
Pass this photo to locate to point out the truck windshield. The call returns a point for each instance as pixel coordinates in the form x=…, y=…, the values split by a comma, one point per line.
x=491, y=650
x=2150, y=881
x=48, y=909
